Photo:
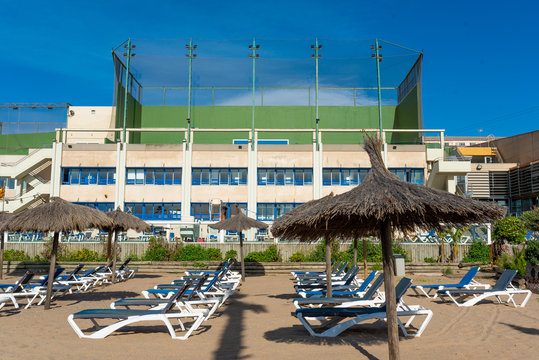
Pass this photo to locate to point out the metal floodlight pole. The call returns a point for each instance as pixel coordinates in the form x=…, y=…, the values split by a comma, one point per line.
x=128, y=47
x=378, y=58
x=316, y=56
x=190, y=47
x=253, y=56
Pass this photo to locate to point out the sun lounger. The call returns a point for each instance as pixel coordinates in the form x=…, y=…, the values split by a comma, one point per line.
x=372, y=297
x=341, y=290
x=334, y=267
x=348, y=279
x=338, y=272
x=503, y=287
x=11, y=291
x=186, y=302
x=467, y=282
x=40, y=290
x=127, y=316
x=332, y=316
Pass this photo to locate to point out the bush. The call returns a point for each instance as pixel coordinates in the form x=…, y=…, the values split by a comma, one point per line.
x=61, y=252
x=15, y=255
x=515, y=262
x=133, y=257
x=479, y=252
x=319, y=253
x=531, y=254
x=231, y=254
x=298, y=256
x=214, y=254
x=157, y=251
x=531, y=220
x=429, y=260
x=269, y=255
x=510, y=229
x=191, y=253
x=82, y=255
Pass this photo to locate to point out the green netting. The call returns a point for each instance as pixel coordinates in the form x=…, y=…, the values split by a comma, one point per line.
x=284, y=95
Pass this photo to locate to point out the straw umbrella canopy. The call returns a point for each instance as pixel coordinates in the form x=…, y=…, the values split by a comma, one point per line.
x=58, y=216
x=239, y=223
x=379, y=206
x=4, y=218
x=121, y=222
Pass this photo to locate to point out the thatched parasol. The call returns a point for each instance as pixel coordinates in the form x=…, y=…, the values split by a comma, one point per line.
x=239, y=223
x=58, y=216
x=4, y=218
x=380, y=205
x=122, y=222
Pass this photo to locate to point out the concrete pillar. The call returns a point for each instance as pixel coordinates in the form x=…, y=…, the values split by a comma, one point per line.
x=317, y=167
x=222, y=236
x=119, y=187
x=451, y=185
x=489, y=234
x=252, y=174
x=56, y=168
x=187, y=156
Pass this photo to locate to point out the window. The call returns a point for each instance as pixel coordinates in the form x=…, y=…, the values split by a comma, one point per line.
x=88, y=176
x=413, y=175
x=101, y=206
x=155, y=211
x=285, y=176
x=343, y=176
x=271, y=211
x=219, y=176
x=9, y=183
x=200, y=211
x=154, y=176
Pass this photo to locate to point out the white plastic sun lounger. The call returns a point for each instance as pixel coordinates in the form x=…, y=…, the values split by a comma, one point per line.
x=467, y=282
x=502, y=288
x=126, y=317
x=332, y=316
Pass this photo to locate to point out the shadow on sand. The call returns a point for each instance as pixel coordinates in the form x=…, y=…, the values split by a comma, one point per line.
x=231, y=344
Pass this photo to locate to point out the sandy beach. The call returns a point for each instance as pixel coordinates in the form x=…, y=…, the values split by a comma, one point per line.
x=256, y=323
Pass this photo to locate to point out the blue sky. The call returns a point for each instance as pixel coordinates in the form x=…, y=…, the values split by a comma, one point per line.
x=480, y=68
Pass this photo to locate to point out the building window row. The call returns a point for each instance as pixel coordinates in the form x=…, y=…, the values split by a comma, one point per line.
x=271, y=211
x=412, y=175
x=101, y=206
x=154, y=176
x=285, y=176
x=343, y=176
x=9, y=183
x=155, y=211
x=88, y=176
x=219, y=176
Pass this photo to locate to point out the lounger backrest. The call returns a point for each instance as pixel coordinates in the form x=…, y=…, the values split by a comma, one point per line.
x=352, y=275
x=336, y=267
x=504, y=280
x=57, y=272
x=74, y=272
x=348, y=273
x=339, y=272
x=468, y=277
x=402, y=287
x=124, y=264
x=367, y=281
x=197, y=287
x=374, y=287
x=92, y=271
x=176, y=296
x=25, y=279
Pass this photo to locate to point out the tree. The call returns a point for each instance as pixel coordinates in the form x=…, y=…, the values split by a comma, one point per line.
x=510, y=229
x=456, y=234
x=531, y=220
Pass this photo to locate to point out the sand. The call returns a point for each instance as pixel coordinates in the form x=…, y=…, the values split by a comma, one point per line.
x=256, y=323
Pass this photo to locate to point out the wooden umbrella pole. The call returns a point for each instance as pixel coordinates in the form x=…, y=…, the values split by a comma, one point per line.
x=2, y=256
x=241, y=257
x=114, y=250
x=329, y=292
x=109, y=245
x=386, y=238
x=52, y=266
x=355, y=252
x=364, y=258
